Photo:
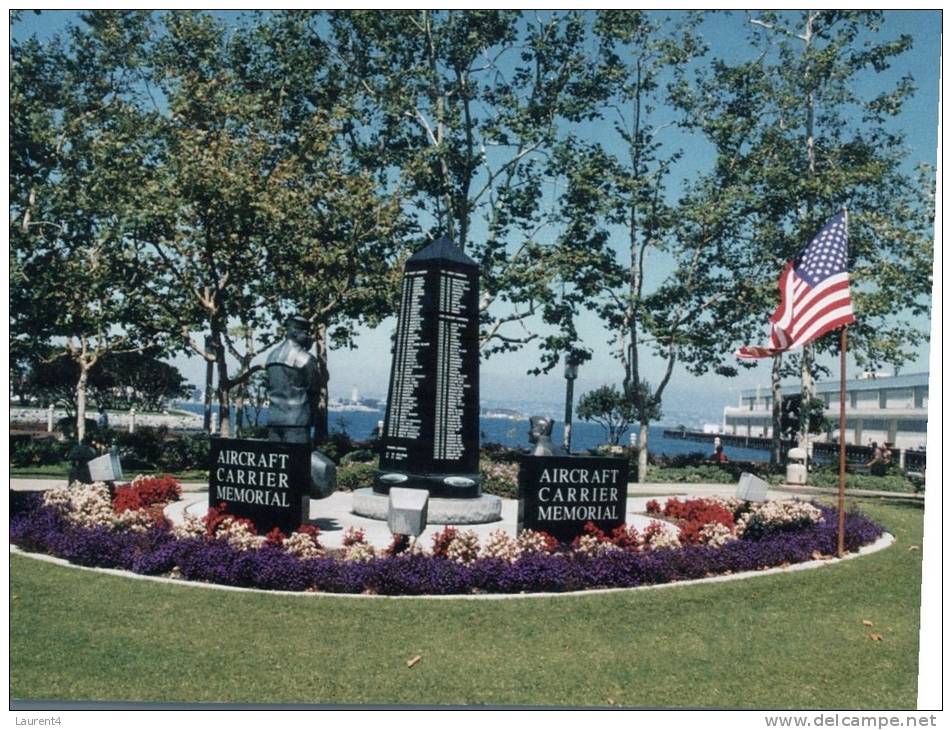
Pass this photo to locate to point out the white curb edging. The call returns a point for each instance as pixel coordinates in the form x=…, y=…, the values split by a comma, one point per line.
x=883, y=542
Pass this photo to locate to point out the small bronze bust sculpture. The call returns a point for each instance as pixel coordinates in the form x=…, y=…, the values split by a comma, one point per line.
x=540, y=436
x=293, y=386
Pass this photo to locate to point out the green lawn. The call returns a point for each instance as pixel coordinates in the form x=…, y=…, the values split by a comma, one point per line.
x=785, y=641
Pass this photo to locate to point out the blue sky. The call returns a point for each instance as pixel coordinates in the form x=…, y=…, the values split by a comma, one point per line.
x=503, y=376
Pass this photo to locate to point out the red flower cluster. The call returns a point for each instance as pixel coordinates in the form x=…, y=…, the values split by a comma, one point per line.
x=627, y=538
x=623, y=536
x=653, y=529
x=693, y=514
x=145, y=492
x=275, y=537
x=217, y=515
x=653, y=507
x=312, y=530
x=442, y=540
x=352, y=537
x=399, y=544
x=551, y=543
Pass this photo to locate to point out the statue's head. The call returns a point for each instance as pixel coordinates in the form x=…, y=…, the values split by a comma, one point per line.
x=539, y=426
x=296, y=329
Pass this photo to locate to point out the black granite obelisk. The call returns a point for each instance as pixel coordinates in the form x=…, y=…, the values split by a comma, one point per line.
x=431, y=430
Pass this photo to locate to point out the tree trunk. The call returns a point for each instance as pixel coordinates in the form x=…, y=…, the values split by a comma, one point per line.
x=320, y=353
x=81, y=400
x=224, y=413
x=642, y=451
x=806, y=395
x=209, y=378
x=776, y=444
x=806, y=361
x=240, y=411
x=224, y=391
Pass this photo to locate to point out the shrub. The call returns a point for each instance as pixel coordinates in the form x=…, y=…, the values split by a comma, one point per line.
x=146, y=445
x=356, y=476
x=37, y=452
x=776, y=516
x=499, y=478
x=498, y=453
x=189, y=451
x=893, y=481
x=442, y=541
x=336, y=446
x=358, y=456
x=67, y=426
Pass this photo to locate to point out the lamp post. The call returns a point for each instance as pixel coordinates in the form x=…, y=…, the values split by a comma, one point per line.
x=571, y=373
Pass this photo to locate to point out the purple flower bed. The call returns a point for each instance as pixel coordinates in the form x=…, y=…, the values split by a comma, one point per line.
x=157, y=552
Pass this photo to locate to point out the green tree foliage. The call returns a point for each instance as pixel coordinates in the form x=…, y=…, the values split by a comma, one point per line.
x=338, y=239
x=116, y=380
x=612, y=409
x=137, y=379
x=797, y=138
x=252, y=210
x=620, y=199
x=465, y=106
x=77, y=155
x=817, y=422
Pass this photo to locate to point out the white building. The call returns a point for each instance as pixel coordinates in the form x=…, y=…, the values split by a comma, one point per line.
x=893, y=409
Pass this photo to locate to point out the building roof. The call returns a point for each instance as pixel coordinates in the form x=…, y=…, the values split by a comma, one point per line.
x=857, y=384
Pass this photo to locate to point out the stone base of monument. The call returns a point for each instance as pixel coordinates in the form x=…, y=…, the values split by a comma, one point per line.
x=441, y=511
x=449, y=486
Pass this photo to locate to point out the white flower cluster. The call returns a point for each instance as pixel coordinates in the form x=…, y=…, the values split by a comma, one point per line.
x=135, y=520
x=531, y=541
x=657, y=537
x=777, y=513
x=502, y=546
x=303, y=545
x=730, y=503
x=192, y=527
x=239, y=535
x=464, y=547
x=360, y=551
x=591, y=545
x=86, y=505
x=716, y=534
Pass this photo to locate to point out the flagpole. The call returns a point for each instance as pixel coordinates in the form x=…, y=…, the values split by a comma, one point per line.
x=841, y=499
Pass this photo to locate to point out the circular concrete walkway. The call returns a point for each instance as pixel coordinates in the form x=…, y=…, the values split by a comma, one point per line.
x=333, y=516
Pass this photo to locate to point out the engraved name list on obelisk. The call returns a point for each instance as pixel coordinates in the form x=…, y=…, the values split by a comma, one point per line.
x=431, y=430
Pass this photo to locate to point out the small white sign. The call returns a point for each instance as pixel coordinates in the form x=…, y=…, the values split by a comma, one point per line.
x=751, y=488
x=407, y=511
x=105, y=468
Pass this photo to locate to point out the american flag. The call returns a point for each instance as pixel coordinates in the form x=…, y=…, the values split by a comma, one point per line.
x=814, y=293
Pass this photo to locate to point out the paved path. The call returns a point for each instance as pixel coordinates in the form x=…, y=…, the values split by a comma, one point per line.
x=333, y=516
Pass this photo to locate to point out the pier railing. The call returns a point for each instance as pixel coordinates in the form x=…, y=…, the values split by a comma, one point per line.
x=824, y=452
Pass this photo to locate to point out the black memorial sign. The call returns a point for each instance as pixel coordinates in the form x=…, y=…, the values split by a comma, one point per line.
x=560, y=494
x=265, y=481
x=431, y=430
